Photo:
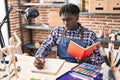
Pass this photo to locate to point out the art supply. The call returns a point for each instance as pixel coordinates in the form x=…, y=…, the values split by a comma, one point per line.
x=116, y=56
x=5, y=75
x=111, y=68
x=118, y=63
x=106, y=60
x=83, y=71
x=35, y=79
x=80, y=76
x=88, y=69
x=72, y=75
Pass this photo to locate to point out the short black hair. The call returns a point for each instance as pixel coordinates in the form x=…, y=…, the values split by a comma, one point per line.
x=70, y=8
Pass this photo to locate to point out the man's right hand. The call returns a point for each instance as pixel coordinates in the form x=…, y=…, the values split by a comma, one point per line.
x=39, y=63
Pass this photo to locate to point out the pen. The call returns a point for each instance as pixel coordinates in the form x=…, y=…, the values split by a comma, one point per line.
x=5, y=75
x=117, y=64
x=109, y=57
x=112, y=59
x=116, y=56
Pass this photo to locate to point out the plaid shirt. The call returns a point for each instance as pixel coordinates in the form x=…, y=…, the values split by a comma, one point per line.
x=52, y=40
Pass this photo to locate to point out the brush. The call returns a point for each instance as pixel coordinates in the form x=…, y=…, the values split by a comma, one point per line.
x=118, y=63
x=106, y=60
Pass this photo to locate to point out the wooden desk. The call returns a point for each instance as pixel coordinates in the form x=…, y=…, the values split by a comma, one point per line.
x=26, y=64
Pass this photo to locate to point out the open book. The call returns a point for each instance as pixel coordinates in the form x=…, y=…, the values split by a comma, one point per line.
x=52, y=66
x=78, y=51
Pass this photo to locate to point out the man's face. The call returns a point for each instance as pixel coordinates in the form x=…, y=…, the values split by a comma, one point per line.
x=70, y=21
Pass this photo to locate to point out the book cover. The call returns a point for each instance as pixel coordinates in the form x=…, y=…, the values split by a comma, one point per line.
x=52, y=66
x=78, y=51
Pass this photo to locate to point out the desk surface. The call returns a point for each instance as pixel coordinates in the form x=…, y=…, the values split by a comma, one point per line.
x=26, y=64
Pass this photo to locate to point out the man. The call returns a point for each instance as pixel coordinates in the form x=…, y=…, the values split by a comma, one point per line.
x=61, y=35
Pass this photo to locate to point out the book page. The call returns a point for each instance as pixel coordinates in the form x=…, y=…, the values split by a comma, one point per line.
x=52, y=66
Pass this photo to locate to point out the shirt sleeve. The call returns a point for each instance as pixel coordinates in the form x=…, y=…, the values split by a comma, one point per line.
x=46, y=46
x=97, y=58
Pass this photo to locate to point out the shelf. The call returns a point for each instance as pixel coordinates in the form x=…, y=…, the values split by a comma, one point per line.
x=38, y=4
x=32, y=46
x=41, y=27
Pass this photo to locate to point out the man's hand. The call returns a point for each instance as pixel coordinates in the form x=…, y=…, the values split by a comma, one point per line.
x=79, y=60
x=39, y=63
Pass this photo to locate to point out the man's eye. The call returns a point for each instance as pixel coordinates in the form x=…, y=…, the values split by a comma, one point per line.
x=63, y=19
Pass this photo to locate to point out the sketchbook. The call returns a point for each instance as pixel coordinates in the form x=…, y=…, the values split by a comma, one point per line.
x=52, y=66
x=76, y=50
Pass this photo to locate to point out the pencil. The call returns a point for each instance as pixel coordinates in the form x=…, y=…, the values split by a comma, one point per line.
x=118, y=63
x=106, y=60
x=112, y=59
x=5, y=75
x=116, y=56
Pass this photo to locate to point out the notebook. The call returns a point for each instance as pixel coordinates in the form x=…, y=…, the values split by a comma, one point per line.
x=78, y=51
x=52, y=66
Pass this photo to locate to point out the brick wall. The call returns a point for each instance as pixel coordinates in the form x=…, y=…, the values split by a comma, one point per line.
x=95, y=21
x=14, y=18
x=92, y=21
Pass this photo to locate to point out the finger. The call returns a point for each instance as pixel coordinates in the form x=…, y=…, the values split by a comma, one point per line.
x=37, y=61
x=39, y=66
x=77, y=57
x=41, y=60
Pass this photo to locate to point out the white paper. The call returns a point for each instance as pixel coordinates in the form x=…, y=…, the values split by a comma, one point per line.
x=52, y=66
